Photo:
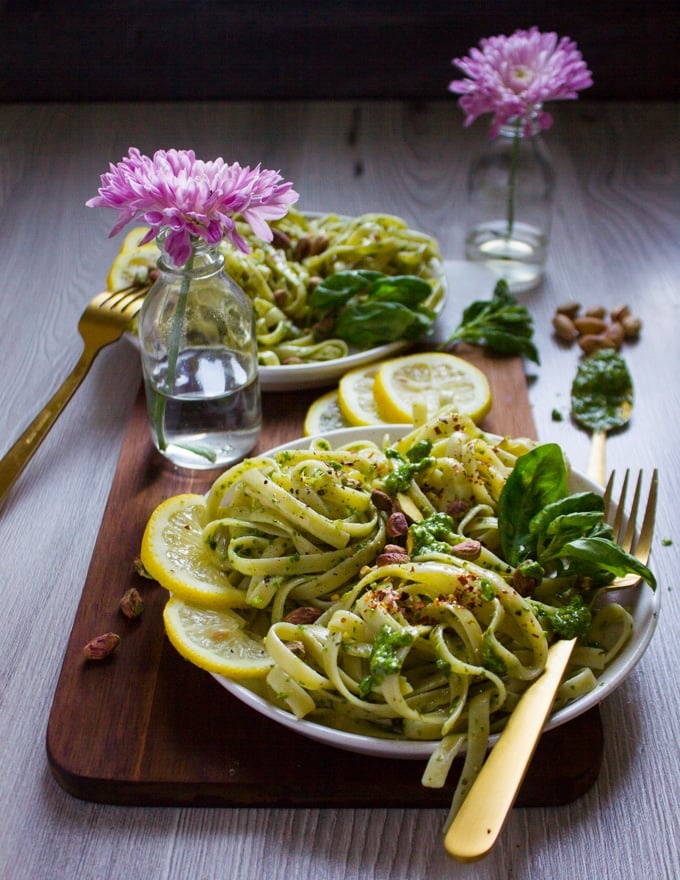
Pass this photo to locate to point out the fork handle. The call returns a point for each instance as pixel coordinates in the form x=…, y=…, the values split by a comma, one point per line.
x=476, y=826
x=22, y=451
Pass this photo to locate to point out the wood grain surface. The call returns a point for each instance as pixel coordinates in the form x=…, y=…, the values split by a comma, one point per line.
x=160, y=731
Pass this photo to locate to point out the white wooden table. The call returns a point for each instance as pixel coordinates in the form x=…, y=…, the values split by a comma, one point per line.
x=615, y=240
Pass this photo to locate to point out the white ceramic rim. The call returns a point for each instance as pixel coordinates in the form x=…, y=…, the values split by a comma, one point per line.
x=316, y=374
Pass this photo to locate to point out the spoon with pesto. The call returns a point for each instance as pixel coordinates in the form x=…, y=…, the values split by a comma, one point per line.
x=601, y=401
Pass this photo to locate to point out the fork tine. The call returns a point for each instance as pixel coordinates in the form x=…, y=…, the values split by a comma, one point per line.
x=644, y=542
x=626, y=541
x=100, y=299
x=624, y=527
x=607, y=497
x=132, y=303
x=617, y=524
x=118, y=299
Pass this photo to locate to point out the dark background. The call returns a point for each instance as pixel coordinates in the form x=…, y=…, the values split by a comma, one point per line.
x=72, y=50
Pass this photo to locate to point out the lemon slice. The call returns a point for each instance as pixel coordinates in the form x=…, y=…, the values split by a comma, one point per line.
x=324, y=415
x=174, y=553
x=356, y=399
x=432, y=380
x=215, y=640
x=132, y=266
x=133, y=238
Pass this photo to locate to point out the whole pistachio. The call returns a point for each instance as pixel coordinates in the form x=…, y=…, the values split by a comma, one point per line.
x=631, y=326
x=570, y=308
x=618, y=313
x=318, y=244
x=280, y=239
x=101, y=646
x=616, y=333
x=393, y=554
x=469, y=549
x=303, y=248
x=564, y=327
x=590, y=325
x=138, y=566
x=458, y=508
x=381, y=500
x=303, y=614
x=396, y=525
x=131, y=603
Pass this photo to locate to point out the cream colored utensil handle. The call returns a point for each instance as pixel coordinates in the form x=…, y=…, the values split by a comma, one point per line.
x=596, y=460
x=482, y=814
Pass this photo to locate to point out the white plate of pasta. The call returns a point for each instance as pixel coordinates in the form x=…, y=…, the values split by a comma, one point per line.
x=413, y=701
x=281, y=280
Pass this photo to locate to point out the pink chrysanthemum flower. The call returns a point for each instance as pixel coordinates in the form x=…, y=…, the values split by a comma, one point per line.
x=513, y=76
x=192, y=198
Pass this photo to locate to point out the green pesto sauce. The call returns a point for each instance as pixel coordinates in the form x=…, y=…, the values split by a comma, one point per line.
x=417, y=459
x=602, y=392
x=385, y=657
x=490, y=659
x=429, y=535
x=487, y=591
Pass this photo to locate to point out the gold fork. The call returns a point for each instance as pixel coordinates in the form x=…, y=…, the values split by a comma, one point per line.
x=475, y=828
x=104, y=321
x=624, y=528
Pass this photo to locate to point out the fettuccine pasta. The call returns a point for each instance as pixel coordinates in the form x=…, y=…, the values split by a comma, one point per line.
x=417, y=635
x=279, y=277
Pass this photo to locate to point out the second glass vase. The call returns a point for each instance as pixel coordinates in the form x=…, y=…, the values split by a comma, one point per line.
x=510, y=205
x=199, y=360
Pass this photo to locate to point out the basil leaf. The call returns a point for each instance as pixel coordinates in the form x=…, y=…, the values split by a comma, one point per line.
x=504, y=342
x=562, y=530
x=539, y=478
x=501, y=324
x=420, y=326
x=405, y=289
x=576, y=503
x=538, y=520
x=369, y=308
x=335, y=290
x=608, y=555
x=374, y=323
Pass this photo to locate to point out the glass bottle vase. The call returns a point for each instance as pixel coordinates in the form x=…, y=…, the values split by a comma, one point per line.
x=510, y=204
x=199, y=362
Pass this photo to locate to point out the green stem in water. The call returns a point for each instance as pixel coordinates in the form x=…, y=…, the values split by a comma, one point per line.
x=512, y=178
x=173, y=355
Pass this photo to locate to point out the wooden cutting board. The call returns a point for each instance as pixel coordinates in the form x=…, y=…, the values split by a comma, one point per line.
x=145, y=727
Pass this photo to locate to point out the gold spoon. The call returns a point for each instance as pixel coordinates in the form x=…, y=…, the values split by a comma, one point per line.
x=601, y=401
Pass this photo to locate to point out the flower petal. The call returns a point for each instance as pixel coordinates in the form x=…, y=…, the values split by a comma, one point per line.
x=192, y=197
x=511, y=77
